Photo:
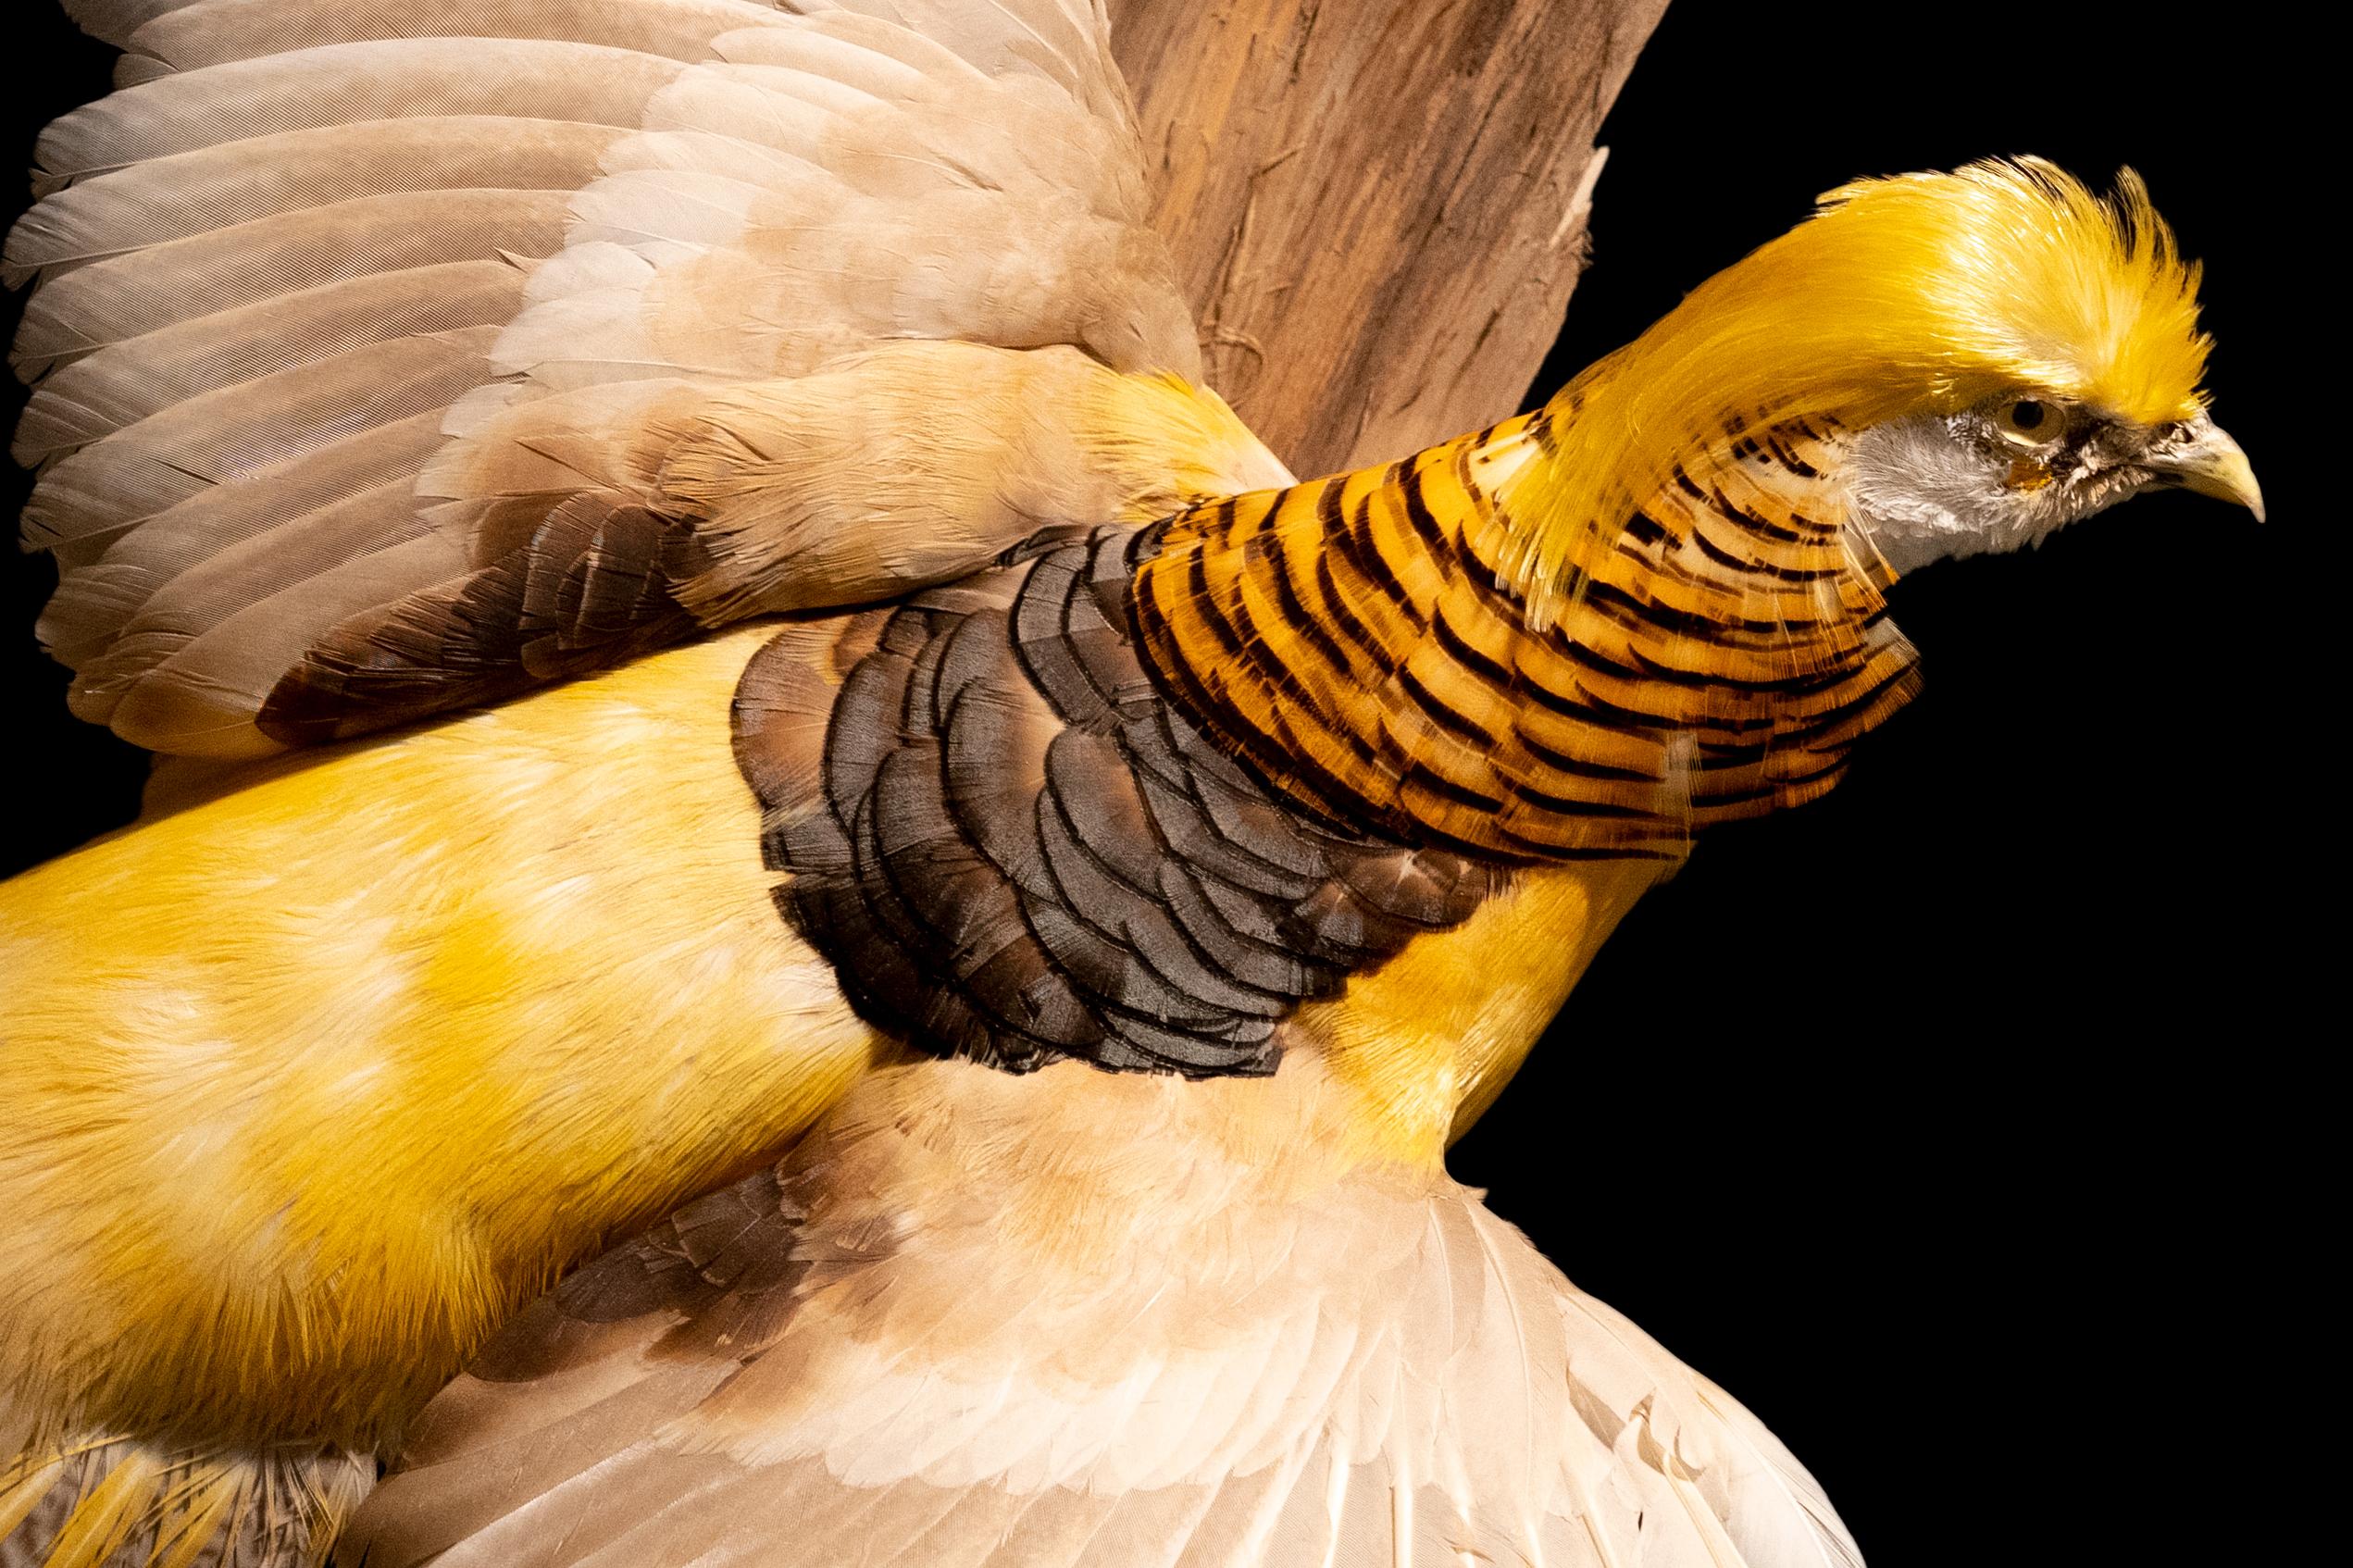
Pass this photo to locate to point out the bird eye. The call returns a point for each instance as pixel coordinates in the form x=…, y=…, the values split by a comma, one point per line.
x=2028, y=418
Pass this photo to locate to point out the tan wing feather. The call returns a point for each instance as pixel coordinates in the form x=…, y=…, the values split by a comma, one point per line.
x=205, y=32
x=211, y=188
x=200, y=687
x=122, y=383
x=257, y=426
x=350, y=85
x=959, y=1329
x=171, y=614
x=126, y=296
x=724, y=201
x=96, y=601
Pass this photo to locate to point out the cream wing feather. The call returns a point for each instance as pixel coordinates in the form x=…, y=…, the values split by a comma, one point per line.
x=960, y=1328
x=390, y=358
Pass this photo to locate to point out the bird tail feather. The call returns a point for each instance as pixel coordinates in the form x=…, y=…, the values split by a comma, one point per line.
x=114, y=1503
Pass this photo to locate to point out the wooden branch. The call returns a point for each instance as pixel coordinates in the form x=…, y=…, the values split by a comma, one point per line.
x=1377, y=206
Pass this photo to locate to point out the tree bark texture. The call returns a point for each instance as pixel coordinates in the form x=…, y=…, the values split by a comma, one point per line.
x=1377, y=206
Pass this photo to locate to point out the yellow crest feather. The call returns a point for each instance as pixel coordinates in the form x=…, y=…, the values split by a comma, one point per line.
x=1922, y=292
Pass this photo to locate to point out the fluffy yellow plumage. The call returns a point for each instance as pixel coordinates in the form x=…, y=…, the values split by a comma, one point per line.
x=238, y=1037
x=1918, y=294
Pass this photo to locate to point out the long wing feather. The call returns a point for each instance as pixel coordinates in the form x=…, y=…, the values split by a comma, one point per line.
x=956, y=1329
x=302, y=234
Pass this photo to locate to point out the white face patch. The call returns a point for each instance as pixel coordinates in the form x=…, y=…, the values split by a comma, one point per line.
x=1935, y=486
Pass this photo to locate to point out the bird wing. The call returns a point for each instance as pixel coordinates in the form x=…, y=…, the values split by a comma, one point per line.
x=395, y=355
x=962, y=1329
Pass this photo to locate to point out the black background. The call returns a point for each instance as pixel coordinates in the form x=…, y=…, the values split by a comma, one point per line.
x=1958, y=1122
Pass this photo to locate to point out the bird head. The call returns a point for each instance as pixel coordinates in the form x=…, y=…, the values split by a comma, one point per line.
x=2000, y=352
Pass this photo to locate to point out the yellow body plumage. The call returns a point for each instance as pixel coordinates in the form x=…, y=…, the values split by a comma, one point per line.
x=307, y=1086
x=1430, y=1039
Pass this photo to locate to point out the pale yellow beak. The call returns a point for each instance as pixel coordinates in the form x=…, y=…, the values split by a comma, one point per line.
x=2207, y=460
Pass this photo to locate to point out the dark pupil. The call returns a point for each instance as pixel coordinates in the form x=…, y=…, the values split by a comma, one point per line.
x=2027, y=415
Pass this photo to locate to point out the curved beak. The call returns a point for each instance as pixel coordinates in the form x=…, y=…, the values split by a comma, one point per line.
x=2205, y=458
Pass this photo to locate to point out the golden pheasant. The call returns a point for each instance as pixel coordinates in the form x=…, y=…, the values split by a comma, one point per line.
x=1038, y=979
